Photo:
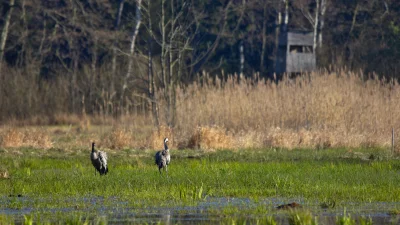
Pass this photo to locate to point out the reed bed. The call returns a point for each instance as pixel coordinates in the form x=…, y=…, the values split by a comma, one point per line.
x=318, y=110
x=322, y=109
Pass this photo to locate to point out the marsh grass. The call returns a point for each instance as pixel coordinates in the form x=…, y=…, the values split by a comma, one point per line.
x=302, y=217
x=337, y=178
x=305, y=174
x=293, y=218
x=50, y=179
x=347, y=219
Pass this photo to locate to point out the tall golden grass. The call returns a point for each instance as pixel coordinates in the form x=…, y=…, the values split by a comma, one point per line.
x=317, y=110
x=322, y=109
x=32, y=137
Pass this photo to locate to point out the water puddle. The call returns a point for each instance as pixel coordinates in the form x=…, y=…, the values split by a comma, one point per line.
x=210, y=211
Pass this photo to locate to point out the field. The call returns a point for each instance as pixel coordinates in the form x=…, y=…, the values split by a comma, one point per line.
x=229, y=186
x=239, y=150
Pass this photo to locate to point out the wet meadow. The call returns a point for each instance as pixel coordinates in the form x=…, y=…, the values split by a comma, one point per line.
x=224, y=186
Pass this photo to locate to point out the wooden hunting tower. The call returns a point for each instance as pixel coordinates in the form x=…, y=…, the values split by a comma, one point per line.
x=295, y=52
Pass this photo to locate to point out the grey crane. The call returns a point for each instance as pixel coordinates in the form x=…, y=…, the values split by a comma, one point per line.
x=163, y=157
x=99, y=161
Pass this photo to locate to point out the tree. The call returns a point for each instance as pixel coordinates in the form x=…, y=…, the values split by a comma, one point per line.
x=4, y=33
x=138, y=21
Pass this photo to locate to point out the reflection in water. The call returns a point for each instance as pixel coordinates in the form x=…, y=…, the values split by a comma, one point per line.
x=206, y=212
x=166, y=217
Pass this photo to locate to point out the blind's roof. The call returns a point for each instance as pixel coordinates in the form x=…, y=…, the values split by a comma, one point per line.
x=293, y=37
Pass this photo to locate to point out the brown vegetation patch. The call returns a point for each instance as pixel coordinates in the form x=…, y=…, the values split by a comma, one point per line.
x=119, y=138
x=34, y=137
x=12, y=138
x=289, y=138
x=4, y=175
x=211, y=138
x=250, y=139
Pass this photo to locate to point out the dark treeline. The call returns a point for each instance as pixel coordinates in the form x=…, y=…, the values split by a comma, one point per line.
x=117, y=56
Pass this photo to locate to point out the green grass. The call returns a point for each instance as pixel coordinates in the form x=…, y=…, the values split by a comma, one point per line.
x=334, y=177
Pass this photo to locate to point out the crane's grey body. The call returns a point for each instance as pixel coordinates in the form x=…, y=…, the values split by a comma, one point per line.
x=162, y=158
x=99, y=161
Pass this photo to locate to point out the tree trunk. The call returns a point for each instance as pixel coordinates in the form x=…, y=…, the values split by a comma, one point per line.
x=264, y=39
x=114, y=47
x=163, y=57
x=42, y=41
x=241, y=51
x=171, y=94
x=355, y=13
x=277, y=35
x=132, y=49
x=4, y=33
x=286, y=21
x=22, y=53
x=321, y=22
x=93, y=74
x=73, y=48
x=151, y=82
x=316, y=19
x=74, y=87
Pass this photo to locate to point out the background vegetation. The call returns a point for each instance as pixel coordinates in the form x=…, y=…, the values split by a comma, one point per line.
x=141, y=58
x=320, y=110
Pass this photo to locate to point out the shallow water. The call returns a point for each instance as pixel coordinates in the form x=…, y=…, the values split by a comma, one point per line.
x=203, y=213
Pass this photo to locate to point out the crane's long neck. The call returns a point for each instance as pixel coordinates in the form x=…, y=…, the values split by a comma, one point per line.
x=165, y=146
x=93, y=150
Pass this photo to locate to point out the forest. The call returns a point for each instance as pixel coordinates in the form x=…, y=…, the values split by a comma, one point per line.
x=118, y=57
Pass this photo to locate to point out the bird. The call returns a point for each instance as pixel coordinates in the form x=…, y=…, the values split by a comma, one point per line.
x=99, y=161
x=292, y=205
x=163, y=158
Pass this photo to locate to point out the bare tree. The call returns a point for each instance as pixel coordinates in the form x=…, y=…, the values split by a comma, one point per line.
x=204, y=56
x=114, y=47
x=4, y=33
x=315, y=16
x=241, y=52
x=316, y=19
x=177, y=31
x=279, y=27
x=322, y=21
x=132, y=48
x=264, y=37
x=151, y=85
x=286, y=20
x=241, y=43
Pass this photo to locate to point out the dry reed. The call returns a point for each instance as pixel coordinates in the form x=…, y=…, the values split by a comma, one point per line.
x=322, y=109
x=119, y=138
x=211, y=138
x=28, y=137
x=319, y=110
